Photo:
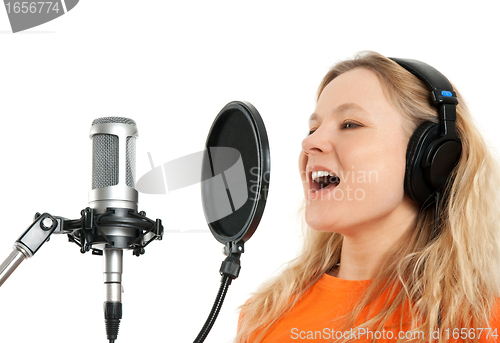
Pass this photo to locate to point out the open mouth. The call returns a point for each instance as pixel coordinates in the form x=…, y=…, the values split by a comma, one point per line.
x=323, y=179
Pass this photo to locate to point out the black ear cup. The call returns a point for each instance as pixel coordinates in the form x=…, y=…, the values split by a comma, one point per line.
x=415, y=184
x=422, y=181
x=443, y=160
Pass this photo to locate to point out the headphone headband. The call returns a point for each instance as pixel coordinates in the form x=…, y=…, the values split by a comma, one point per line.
x=442, y=91
x=433, y=150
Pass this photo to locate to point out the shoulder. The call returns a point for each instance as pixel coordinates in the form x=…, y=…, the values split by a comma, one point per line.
x=495, y=315
x=492, y=333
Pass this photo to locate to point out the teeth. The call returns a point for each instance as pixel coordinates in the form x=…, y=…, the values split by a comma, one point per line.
x=321, y=173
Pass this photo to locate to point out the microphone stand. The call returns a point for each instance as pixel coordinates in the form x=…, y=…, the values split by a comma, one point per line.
x=85, y=232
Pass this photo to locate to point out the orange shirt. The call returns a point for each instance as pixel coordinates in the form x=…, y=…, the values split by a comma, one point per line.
x=310, y=320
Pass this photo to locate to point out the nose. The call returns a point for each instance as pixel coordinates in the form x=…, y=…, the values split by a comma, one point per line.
x=317, y=142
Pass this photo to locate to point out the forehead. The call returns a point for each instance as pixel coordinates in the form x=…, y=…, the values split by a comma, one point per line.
x=355, y=90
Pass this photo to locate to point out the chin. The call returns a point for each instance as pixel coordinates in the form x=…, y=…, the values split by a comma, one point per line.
x=322, y=222
x=318, y=222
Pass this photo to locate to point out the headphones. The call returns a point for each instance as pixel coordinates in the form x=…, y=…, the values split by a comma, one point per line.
x=434, y=149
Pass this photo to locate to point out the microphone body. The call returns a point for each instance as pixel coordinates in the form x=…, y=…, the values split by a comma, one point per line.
x=113, y=197
x=113, y=164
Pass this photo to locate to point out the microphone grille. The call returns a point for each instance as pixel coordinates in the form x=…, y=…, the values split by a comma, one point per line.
x=105, y=155
x=113, y=120
x=130, y=162
x=104, y=161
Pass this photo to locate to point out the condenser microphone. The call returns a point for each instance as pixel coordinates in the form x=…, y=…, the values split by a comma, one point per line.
x=113, y=200
x=109, y=225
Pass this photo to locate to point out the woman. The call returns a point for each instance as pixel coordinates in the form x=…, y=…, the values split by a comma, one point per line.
x=373, y=267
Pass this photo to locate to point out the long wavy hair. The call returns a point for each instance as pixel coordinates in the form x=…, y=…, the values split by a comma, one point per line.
x=455, y=275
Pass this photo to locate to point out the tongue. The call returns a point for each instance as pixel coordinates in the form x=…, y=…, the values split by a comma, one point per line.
x=325, y=181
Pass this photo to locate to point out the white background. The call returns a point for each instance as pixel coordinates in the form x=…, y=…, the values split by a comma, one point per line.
x=171, y=66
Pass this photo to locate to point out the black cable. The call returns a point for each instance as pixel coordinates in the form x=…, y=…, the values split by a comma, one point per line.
x=225, y=282
x=436, y=215
x=439, y=317
x=434, y=237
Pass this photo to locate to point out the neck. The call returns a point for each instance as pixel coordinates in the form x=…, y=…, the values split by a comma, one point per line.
x=365, y=249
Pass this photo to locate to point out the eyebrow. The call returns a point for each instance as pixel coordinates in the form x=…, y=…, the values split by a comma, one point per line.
x=348, y=106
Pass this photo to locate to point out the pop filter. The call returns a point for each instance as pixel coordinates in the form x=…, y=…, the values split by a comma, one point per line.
x=234, y=184
x=235, y=173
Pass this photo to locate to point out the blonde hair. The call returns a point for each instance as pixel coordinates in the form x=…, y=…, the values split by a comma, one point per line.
x=456, y=274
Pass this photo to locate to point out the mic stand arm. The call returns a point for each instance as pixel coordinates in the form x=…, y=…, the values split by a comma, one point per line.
x=229, y=270
x=28, y=244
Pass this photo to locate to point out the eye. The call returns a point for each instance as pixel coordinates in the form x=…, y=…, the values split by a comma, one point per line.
x=345, y=125
x=350, y=125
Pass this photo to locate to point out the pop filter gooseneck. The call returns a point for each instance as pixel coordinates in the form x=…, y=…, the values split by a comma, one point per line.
x=235, y=182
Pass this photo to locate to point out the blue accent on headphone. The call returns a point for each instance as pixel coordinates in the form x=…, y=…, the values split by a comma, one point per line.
x=446, y=93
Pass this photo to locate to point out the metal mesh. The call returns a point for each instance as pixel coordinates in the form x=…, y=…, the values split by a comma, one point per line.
x=110, y=120
x=130, y=162
x=104, y=160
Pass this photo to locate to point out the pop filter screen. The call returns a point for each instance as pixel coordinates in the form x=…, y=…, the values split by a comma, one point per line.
x=235, y=173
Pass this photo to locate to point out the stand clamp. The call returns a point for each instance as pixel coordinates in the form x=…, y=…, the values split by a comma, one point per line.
x=28, y=244
x=231, y=267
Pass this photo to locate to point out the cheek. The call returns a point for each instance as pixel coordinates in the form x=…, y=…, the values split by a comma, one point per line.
x=391, y=160
x=378, y=171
